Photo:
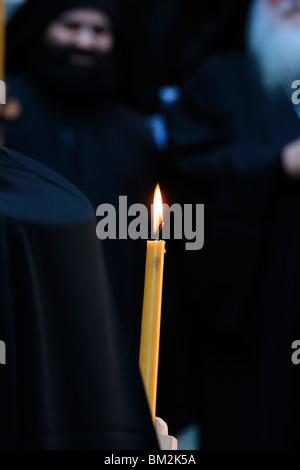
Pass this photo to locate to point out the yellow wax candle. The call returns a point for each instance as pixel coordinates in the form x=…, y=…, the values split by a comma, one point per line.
x=151, y=319
x=2, y=38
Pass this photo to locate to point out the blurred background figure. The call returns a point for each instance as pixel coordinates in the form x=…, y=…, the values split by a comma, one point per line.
x=235, y=140
x=174, y=36
x=64, y=62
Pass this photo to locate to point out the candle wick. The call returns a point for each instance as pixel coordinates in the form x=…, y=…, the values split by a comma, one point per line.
x=160, y=231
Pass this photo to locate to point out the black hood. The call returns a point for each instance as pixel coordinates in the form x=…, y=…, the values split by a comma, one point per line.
x=27, y=26
x=227, y=24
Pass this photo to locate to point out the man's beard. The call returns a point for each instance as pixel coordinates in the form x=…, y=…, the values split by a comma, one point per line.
x=275, y=46
x=51, y=66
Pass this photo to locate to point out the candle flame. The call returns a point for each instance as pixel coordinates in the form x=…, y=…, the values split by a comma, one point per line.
x=158, y=210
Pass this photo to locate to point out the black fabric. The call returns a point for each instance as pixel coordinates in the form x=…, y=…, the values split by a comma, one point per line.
x=225, y=28
x=71, y=380
x=242, y=288
x=154, y=50
x=169, y=39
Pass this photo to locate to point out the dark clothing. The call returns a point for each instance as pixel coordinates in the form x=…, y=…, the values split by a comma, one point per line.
x=71, y=380
x=106, y=152
x=169, y=39
x=154, y=49
x=243, y=287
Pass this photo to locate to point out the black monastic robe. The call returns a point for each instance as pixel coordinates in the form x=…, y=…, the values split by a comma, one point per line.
x=243, y=287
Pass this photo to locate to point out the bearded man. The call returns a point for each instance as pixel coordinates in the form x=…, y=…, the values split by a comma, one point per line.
x=236, y=139
x=64, y=61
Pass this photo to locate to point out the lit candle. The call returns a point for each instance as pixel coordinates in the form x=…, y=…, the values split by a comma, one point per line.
x=2, y=38
x=151, y=319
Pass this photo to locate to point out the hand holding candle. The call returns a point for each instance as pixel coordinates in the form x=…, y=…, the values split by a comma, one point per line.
x=151, y=319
